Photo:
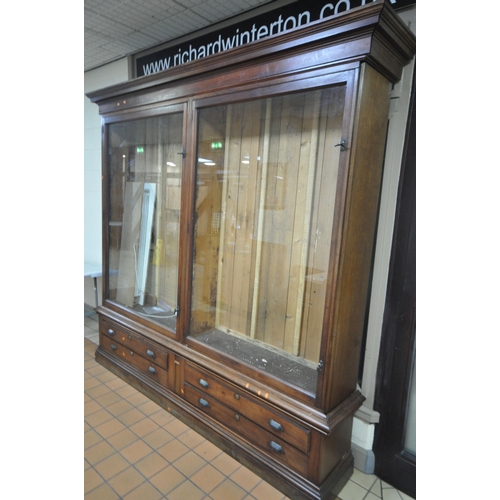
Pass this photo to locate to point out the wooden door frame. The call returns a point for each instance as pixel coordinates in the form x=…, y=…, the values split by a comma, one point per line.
x=392, y=463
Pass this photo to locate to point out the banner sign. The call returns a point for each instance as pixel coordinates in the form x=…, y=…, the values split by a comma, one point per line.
x=274, y=22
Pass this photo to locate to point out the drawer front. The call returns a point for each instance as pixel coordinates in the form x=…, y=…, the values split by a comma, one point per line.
x=151, y=369
x=134, y=343
x=278, y=425
x=263, y=439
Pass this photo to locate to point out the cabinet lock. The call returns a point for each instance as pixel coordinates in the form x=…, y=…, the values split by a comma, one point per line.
x=342, y=144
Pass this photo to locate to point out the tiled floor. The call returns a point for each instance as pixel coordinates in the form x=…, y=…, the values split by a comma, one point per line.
x=135, y=450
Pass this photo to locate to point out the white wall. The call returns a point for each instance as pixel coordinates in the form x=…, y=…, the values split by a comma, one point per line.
x=104, y=76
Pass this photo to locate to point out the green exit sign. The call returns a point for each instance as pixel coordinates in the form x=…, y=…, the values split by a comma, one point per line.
x=216, y=145
x=140, y=149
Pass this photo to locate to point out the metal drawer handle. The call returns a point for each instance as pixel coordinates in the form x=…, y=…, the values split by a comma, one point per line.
x=203, y=383
x=111, y=332
x=150, y=353
x=204, y=403
x=112, y=347
x=276, y=447
x=276, y=425
x=151, y=370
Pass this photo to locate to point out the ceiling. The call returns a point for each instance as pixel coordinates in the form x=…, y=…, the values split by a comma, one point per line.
x=117, y=28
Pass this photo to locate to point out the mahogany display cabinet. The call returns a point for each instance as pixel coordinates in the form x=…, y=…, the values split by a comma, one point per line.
x=240, y=199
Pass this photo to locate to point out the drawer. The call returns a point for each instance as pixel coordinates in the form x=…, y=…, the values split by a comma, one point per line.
x=145, y=365
x=269, y=420
x=259, y=437
x=134, y=343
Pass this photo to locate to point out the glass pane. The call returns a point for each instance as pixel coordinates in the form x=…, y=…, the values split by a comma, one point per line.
x=266, y=179
x=145, y=195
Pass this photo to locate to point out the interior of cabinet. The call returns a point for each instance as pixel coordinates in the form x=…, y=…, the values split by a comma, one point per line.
x=266, y=184
x=144, y=211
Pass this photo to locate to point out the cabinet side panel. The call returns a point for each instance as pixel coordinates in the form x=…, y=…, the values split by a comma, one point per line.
x=365, y=175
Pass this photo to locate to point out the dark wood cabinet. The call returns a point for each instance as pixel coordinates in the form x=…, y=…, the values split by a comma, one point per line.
x=240, y=199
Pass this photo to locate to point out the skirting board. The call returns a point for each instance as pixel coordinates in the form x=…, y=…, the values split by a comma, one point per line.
x=364, y=460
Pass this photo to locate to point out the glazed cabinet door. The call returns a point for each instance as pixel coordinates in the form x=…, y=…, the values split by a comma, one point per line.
x=266, y=186
x=143, y=183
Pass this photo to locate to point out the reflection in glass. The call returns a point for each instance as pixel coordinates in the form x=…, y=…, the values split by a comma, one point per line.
x=410, y=444
x=266, y=182
x=145, y=185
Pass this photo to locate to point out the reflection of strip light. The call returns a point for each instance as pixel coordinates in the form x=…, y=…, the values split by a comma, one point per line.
x=170, y=164
x=246, y=162
x=210, y=163
x=203, y=160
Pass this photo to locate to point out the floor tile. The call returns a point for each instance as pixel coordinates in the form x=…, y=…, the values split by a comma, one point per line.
x=136, y=399
x=187, y=490
x=162, y=418
x=191, y=438
x=99, y=452
x=207, y=478
x=225, y=464
x=176, y=427
x=371, y=496
x=245, y=478
x=126, y=391
x=189, y=463
x=158, y=438
x=151, y=464
x=111, y=466
x=131, y=417
x=103, y=492
x=173, y=450
x=404, y=496
x=90, y=407
x=92, y=479
x=149, y=407
x=126, y=481
x=390, y=494
x=364, y=480
x=110, y=427
x=228, y=490
x=146, y=491
x=98, y=390
x=136, y=451
x=109, y=399
x=207, y=450
x=98, y=417
x=376, y=489
x=264, y=491
x=122, y=439
x=352, y=491
x=119, y=407
x=91, y=438
x=167, y=479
